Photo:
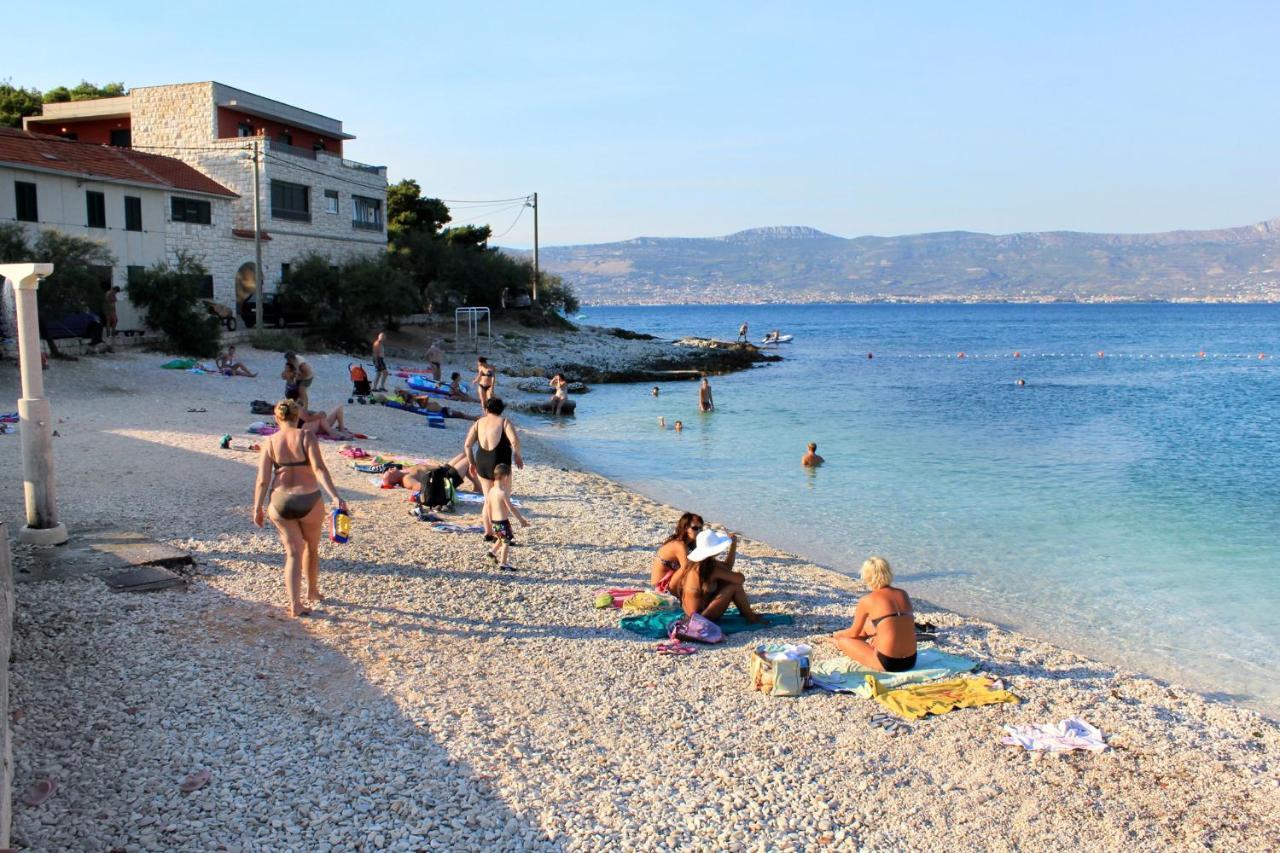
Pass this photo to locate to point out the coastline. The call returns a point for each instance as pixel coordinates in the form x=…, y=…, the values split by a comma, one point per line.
x=436, y=701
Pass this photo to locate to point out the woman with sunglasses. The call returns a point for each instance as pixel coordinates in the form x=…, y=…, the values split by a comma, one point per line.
x=673, y=555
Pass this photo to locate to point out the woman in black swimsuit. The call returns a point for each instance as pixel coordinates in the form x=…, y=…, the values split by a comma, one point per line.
x=503, y=447
x=292, y=471
x=883, y=635
x=485, y=379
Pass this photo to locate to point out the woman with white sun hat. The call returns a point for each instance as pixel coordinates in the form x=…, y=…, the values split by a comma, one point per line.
x=710, y=585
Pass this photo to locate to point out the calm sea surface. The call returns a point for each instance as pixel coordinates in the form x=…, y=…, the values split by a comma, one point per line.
x=1127, y=506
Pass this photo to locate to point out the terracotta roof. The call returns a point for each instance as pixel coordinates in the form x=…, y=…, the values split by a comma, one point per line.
x=104, y=162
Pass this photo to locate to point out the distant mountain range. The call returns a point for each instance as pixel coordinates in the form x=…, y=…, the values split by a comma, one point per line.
x=799, y=264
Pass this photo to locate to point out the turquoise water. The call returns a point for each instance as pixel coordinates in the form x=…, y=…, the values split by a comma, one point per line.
x=1127, y=506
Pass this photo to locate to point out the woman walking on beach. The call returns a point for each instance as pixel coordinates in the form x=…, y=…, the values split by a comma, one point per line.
x=292, y=471
x=486, y=378
x=705, y=403
x=496, y=443
x=883, y=635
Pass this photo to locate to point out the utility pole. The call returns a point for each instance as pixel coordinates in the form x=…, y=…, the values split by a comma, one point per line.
x=536, y=271
x=259, y=279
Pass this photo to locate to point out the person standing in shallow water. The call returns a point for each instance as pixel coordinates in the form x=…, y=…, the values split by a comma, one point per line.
x=742, y=332
x=705, y=402
x=811, y=459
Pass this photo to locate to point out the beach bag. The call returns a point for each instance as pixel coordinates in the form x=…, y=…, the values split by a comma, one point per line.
x=438, y=493
x=776, y=673
x=696, y=627
x=261, y=407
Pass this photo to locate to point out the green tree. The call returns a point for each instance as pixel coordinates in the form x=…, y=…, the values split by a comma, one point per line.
x=86, y=91
x=17, y=102
x=168, y=297
x=409, y=213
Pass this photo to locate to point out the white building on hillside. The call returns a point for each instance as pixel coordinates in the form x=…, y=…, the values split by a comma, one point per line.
x=143, y=207
x=313, y=198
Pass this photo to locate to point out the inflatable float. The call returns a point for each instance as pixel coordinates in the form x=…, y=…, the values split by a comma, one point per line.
x=427, y=385
x=781, y=339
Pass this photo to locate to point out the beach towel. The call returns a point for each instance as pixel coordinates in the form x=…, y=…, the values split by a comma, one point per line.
x=841, y=675
x=1071, y=733
x=473, y=498
x=939, y=697
x=657, y=626
x=179, y=364
x=446, y=527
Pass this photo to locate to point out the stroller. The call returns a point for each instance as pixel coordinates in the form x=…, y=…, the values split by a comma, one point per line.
x=360, y=386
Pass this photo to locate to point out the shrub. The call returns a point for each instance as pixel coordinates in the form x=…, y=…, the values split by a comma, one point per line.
x=343, y=303
x=167, y=297
x=278, y=340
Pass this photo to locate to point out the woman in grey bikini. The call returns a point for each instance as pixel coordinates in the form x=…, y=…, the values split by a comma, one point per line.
x=292, y=471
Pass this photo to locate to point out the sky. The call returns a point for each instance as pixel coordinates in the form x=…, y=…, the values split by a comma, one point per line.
x=702, y=119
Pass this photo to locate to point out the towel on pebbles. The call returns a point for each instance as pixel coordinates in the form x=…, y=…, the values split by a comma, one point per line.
x=657, y=626
x=841, y=675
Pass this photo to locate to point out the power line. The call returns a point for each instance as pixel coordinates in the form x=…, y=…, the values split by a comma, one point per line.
x=486, y=201
x=488, y=215
x=513, y=224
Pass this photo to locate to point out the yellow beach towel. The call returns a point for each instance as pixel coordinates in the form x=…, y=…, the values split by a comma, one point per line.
x=938, y=697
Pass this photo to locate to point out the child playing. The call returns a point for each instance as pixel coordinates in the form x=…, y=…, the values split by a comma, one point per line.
x=498, y=509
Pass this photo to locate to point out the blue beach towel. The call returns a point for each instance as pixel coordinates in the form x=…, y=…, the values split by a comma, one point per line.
x=841, y=675
x=657, y=626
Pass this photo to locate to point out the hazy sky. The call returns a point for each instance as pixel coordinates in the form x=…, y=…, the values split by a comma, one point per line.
x=697, y=119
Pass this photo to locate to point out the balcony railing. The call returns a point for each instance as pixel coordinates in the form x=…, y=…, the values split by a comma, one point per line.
x=363, y=167
x=366, y=226
x=292, y=150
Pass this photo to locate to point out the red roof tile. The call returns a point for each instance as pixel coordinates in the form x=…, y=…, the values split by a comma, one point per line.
x=106, y=162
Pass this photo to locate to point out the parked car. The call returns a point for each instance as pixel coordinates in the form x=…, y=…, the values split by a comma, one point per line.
x=272, y=315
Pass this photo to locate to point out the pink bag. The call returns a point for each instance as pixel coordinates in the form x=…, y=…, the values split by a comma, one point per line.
x=696, y=627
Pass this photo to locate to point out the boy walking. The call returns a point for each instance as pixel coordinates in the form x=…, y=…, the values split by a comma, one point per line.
x=379, y=362
x=498, y=510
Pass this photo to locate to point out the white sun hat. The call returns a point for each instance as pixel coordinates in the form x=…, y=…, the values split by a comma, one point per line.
x=710, y=543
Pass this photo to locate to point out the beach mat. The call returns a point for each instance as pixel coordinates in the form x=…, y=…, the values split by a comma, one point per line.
x=657, y=626
x=841, y=675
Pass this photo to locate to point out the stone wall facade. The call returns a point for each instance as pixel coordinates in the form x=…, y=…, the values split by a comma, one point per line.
x=61, y=207
x=181, y=121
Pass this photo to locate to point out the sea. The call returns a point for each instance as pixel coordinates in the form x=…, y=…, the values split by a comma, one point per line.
x=1124, y=502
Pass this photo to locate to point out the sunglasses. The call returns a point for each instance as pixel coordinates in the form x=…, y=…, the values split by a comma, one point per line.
x=695, y=528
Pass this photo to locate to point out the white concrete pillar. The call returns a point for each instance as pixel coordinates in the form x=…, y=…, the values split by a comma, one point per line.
x=43, y=527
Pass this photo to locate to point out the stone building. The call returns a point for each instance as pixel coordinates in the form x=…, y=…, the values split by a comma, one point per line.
x=313, y=199
x=143, y=207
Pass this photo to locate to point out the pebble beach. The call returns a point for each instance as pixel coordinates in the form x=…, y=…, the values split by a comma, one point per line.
x=434, y=702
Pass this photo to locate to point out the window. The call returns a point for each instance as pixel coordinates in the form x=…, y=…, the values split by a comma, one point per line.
x=366, y=213
x=284, y=272
x=244, y=129
x=284, y=136
x=290, y=201
x=95, y=209
x=330, y=201
x=121, y=138
x=132, y=274
x=190, y=210
x=204, y=286
x=24, y=196
x=132, y=213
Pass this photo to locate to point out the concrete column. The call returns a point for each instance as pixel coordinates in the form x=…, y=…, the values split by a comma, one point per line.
x=42, y=526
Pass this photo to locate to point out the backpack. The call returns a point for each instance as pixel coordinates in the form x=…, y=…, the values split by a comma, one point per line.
x=261, y=407
x=438, y=493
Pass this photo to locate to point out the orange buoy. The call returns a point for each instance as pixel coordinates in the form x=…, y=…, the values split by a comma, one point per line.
x=961, y=355
x=1017, y=355
x=1101, y=354
x=1202, y=353
x=1261, y=355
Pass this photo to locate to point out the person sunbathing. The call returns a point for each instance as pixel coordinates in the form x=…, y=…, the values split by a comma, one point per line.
x=883, y=635
x=710, y=585
x=329, y=425
x=414, y=477
x=430, y=403
x=231, y=366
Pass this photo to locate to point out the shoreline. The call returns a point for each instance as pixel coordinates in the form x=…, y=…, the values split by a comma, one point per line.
x=435, y=701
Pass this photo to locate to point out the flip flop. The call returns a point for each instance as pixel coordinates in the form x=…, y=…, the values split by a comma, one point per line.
x=506, y=566
x=674, y=647
x=41, y=791
x=195, y=782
